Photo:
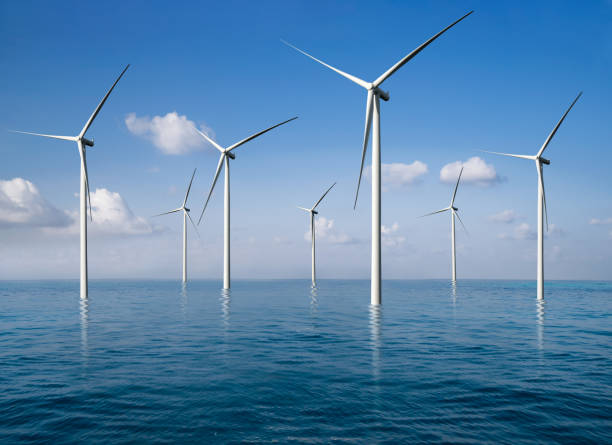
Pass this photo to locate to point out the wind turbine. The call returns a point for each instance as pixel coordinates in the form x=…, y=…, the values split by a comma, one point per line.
x=454, y=213
x=82, y=142
x=226, y=155
x=373, y=120
x=186, y=215
x=539, y=160
x=313, y=212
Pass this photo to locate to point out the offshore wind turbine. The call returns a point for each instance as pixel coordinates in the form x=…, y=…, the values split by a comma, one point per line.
x=314, y=212
x=372, y=119
x=82, y=142
x=539, y=161
x=226, y=155
x=186, y=215
x=454, y=213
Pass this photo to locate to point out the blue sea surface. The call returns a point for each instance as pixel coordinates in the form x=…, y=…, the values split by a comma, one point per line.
x=274, y=361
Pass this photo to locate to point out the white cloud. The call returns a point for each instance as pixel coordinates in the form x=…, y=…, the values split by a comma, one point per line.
x=475, y=171
x=597, y=221
x=390, y=237
x=505, y=216
x=111, y=215
x=521, y=232
x=326, y=230
x=173, y=134
x=22, y=204
x=398, y=174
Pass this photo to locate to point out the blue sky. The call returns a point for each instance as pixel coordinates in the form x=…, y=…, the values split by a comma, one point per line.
x=499, y=81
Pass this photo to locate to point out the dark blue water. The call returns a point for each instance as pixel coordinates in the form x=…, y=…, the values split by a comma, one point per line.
x=273, y=361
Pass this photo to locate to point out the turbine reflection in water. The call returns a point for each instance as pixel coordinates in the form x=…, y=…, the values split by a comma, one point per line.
x=314, y=300
x=375, y=317
x=84, y=313
x=183, y=299
x=540, y=322
x=225, y=300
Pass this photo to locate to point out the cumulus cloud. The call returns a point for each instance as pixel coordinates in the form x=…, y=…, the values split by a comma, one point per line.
x=475, y=171
x=390, y=238
x=326, y=230
x=21, y=204
x=173, y=134
x=521, y=232
x=597, y=221
x=398, y=174
x=505, y=216
x=112, y=215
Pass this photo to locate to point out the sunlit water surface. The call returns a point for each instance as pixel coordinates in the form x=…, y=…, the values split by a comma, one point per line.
x=276, y=361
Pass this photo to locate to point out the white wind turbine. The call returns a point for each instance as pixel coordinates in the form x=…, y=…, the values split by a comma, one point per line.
x=373, y=120
x=82, y=142
x=454, y=213
x=539, y=160
x=226, y=155
x=314, y=212
x=186, y=215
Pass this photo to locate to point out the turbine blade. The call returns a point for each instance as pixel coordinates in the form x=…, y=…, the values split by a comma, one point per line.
x=321, y=198
x=244, y=141
x=213, y=143
x=304, y=209
x=403, y=61
x=552, y=133
x=366, y=138
x=511, y=155
x=433, y=213
x=53, y=136
x=462, y=225
x=541, y=181
x=456, y=186
x=100, y=105
x=193, y=224
x=84, y=167
x=189, y=188
x=213, y=185
x=167, y=213
x=357, y=80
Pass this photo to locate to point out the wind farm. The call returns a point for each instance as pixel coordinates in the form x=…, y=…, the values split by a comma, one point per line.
x=139, y=306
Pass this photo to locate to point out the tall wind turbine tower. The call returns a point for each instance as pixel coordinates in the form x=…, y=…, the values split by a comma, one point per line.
x=226, y=155
x=82, y=142
x=539, y=161
x=186, y=215
x=454, y=212
x=314, y=212
x=372, y=120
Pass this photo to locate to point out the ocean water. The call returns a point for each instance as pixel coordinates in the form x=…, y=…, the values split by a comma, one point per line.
x=274, y=361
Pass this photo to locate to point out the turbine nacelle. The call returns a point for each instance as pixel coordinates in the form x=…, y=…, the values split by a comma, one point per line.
x=230, y=155
x=314, y=212
x=454, y=208
x=186, y=209
x=544, y=161
x=87, y=142
x=384, y=95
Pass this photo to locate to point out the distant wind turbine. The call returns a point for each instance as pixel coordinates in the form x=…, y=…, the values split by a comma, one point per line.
x=373, y=120
x=539, y=160
x=82, y=142
x=314, y=212
x=454, y=212
x=186, y=215
x=226, y=155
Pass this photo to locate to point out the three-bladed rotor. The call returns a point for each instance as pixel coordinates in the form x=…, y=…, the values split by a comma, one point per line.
x=373, y=88
x=539, y=160
x=81, y=141
x=312, y=209
x=227, y=152
x=183, y=208
x=451, y=207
